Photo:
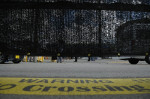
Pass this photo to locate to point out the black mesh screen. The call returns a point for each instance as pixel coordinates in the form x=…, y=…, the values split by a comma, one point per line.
x=47, y=31
x=73, y=31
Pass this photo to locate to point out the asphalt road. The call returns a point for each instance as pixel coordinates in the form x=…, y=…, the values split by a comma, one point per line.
x=82, y=69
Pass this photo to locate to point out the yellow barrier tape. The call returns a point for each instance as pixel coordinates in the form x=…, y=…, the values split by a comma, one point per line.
x=73, y=86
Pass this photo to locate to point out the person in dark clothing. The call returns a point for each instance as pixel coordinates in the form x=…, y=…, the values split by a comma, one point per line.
x=60, y=48
x=89, y=57
x=59, y=58
x=76, y=59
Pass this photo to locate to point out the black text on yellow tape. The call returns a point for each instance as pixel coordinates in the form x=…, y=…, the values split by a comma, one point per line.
x=72, y=86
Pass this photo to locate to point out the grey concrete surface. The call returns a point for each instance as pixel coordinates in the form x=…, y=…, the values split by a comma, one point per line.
x=144, y=96
x=81, y=69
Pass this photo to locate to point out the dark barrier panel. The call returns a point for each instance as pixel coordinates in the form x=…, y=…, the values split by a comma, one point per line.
x=133, y=37
x=73, y=31
x=49, y=31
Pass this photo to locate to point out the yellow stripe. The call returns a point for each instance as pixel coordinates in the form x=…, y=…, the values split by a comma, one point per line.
x=73, y=86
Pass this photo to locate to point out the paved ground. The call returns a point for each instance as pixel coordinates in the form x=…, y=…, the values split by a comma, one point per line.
x=143, y=96
x=82, y=69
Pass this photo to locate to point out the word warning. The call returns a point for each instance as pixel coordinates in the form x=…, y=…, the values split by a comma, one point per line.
x=73, y=86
